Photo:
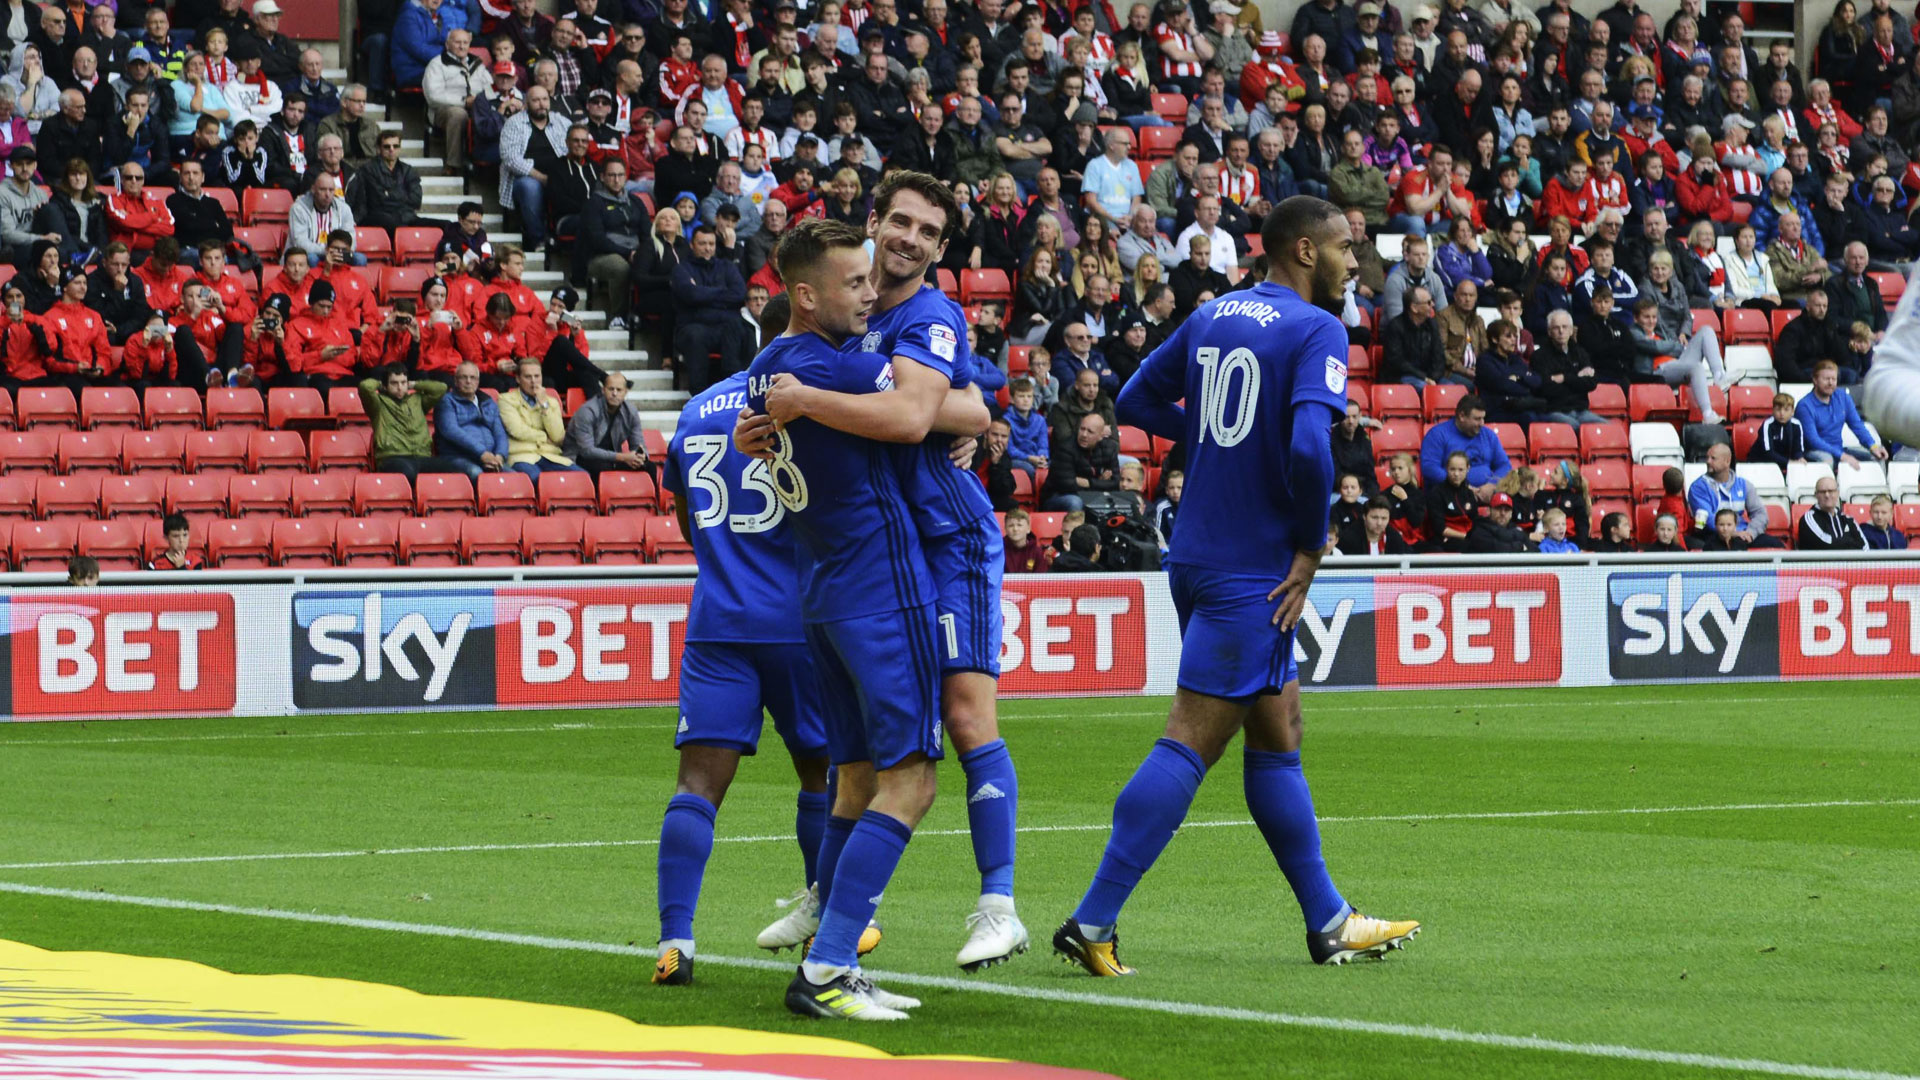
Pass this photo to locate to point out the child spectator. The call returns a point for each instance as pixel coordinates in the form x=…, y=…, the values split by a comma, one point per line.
x=1666, y=536
x=83, y=572
x=1674, y=500
x=1451, y=507
x=1726, y=533
x=1616, y=535
x=1879, y=530
x=1858, y=356
x=991, y=337
x=1133, y=481
x=1046, y=390
x=1172, y=483
x=1028, y=440
x=176, y=556
x=1349, y=506
x=1025, y=553
x=1782, y=440
x=1556, y=542
x=1403, y=495
x=1072, y=520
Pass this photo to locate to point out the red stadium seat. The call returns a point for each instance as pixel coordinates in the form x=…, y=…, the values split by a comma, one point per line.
x=656, y=445
x=303, y=542
x=1907, y=516
x=399, y=281
x=217, y=451
x=323, y=494
x=269, y=495
x=552, y=541
x=1704, y=318
x=1655, y=402
x=1170, y=107
x=1608, y=479
x=267, y=241
x=47, y=407
x=615, y=541
x=1605, y=442
x=1396, y=401
x=241, y=407
x=241, y=543
x=1017, y=360
x=1135, y=443
x=1781, y=317
x=265, y=206
x=173, y=406
x=43, y=546
x=563, y=492
x=346, y=408
x=365, y=541
x=1649, y=483
x=1694, y=414
x=295, y=407
x=374, y=243
x=442, y=493
x=1891, y=286
x=276, y=451
x=1399, y=437
x=1552, y=442
x=1609, y=401
x=949, y=284
x=430, y=541
x=90, y=451
x=115, y=545
x=1749, y=403
x=1644, y=517
x=164, y=450
x=664, y=539
x=415, y=244
x=1157, y=144
x=197, y=495
x=978, y=285
x=109, y=407
x=629, y=492
x=228, y=201
x=7, y=418
x=1745, y=434
x=1513, y=438
x=1746, y=327
x=382, y=495
x=487, y=541
x=1440, y=399
x=16, y=497
x=1359, y=363
x=348, y=449
x=28, y=451
x=506, y=492
x=67, y=496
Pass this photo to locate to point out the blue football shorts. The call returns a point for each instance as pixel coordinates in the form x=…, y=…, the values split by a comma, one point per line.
x=724, y=688
x=967, y=566
x=1229, y=647
x=880, y=685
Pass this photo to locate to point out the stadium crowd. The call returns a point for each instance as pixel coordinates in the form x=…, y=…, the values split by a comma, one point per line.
x=1553, y=213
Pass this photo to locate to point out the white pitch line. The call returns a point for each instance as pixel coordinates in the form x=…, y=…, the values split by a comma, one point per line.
x=557, y=845
x=1033, y=993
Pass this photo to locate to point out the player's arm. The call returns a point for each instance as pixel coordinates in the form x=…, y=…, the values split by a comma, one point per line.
x=963, y=412
x=1150, y=399
x=906, y=414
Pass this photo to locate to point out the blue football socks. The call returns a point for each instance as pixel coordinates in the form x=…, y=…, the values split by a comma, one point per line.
x=993, y=798
x=1150, y=808
x=809, y=825
x=686, y=842
x=833, y=840
x=872, y=853
x=1283, y=808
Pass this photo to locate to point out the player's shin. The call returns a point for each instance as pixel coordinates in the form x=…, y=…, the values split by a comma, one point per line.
x=833, y=841
x=809, y=828
x=867, y=864
x=993, y=796
x=686, y=842
x=1150, y=808
x=1282, y=807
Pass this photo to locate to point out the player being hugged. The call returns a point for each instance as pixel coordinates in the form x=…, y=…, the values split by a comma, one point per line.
x=1264, y=376
x=924, y=334
x=745, y=652
x=871, y=629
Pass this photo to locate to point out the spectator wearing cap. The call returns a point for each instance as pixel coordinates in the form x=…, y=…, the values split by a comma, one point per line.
x=279, y=59
x=489, y=112
x=20, y=202
x=556, y=338
x=315, y=216
x=78, y=333
x=452, y=81
x=611, y=227
x=321, y=342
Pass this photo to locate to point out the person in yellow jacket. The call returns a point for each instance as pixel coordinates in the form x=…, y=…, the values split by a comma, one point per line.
x=535, y=426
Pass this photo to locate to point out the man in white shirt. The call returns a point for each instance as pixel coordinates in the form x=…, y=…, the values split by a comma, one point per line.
x=1206, y=222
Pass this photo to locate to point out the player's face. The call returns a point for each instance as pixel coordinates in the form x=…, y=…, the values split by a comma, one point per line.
x=844, y=295
x=908, y=238
x=1334, y=264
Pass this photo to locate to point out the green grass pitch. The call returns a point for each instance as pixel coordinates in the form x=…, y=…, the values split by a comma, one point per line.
x=1774, y=930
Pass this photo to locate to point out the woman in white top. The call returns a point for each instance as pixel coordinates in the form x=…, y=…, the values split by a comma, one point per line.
x=35, y=95
x=1749, y=277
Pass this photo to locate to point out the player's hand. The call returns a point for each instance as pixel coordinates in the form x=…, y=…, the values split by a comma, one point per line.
x=962, y=451
x=786, y=399
x=1292, y=593
x=753, y=434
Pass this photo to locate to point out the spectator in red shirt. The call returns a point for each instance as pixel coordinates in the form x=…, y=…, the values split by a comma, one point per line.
x=353, y=300
x=162, y=274
x=206, y=336
x=149, y=358
x=176, y=555
x=294, y=280
x=29, y=358
x=79, y=334
x=135, y=217
x=323, y=346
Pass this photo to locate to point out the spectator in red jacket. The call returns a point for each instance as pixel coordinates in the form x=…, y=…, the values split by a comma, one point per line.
x=228, y=285
x=294, y=280
x=79, y=334
x=513, y=264
x=323, y=345
x=266, y=341
x=23, y=336
x=1565, y=196
x=440, y=330
x=149, y=358
x=557, y=339
x=353, y=300
x=178, y=554
x=134, y=217
x=211, y=345
x=163, y=275
x=1704, y=191
x=495, y=345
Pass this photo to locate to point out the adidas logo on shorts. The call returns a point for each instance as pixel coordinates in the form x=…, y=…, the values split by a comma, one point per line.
x=986, y=791
x=683, y=726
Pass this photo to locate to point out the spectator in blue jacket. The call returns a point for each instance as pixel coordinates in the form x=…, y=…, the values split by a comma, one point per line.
x=419, y=35
x=708, y=293
x=1466, y=433
x=1827, y=412
x=1461, y=258
x=1779, y=201
x=1557, y=542
x=468, y=423
x=1881, y=533
x=1028, y=441
x=1079, y=354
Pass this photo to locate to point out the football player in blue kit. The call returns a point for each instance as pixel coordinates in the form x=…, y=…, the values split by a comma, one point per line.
x=1263, y=376
x=924, y=333
x=871, y=628
x=745, y=652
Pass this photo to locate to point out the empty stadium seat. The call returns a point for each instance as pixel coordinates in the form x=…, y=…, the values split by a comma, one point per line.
x=265, y=206
x=664, y=539
x=139, y=495
x=1439, y=400
x=1903, y=481
x=1513, y=438
x=382, y=495
x=1552, y=442
x=109, y=407
x=1026, y=492
x=1707, y=319
x=1607, y=480
x=1648, y=483
x=1171, y=107
x=217, y=451
x=46, y=407
x=240, y=543
x=43, y=546
x=1694, y=412
x=1605, y=442
x=1359, y=363
x=164, y=450
x=346, y=408
x=1750, y=364
x=1766, y=479
x=267, y=241
x=1655, y=444
x=552, y=541
x=615, y=541
x=402, y=281
x=1907, y=517
x=1863, y=483
x=430, y=541
x=16, y=497
x=90, y=451
x=29, y=451
x=1644, y=517
x=415, y=244
x=1609, y=401
x=67, y=496
x=1745, y=434
x=303, y=542
x=506, y=492
x=231, y=407
x=197, y=495
x=1157, y=144
x=442, y=493
x=268, y=495
x=365, y=541
x=115, y=545
x=1655, y=402
x=1135, y=443
x=490, y=541
x=1802, y=476
x=374, y=243
x=1396, y=401
x=335, y=450
x=295, y=406
x=7, y=418
x=1749, y=402
x=328, y=494
x=173, y=406
x=276, y=451
x=1746, y=327
x=1397, y=438
x=1891, y=286
x=630, y=492
x=561, y=492
x=989, y=284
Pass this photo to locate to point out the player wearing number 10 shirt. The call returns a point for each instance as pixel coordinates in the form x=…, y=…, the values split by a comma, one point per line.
x=1263, y=374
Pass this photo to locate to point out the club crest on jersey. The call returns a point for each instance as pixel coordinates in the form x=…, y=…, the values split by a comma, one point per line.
x=870, y=343
x=941, y=340
x=1336, y=375
x=884, y=380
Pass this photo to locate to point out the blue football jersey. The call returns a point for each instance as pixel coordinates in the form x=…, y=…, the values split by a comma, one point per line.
x=929, y=328
x=859, y=553
x=740, y=537
x=1242, y=362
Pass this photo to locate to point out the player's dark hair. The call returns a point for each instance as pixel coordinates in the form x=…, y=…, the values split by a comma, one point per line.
x=930, y=188
x=1085, y=540
x=806, y=244
x=1298, y=216
x=1470, y=404
x=775, y=316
